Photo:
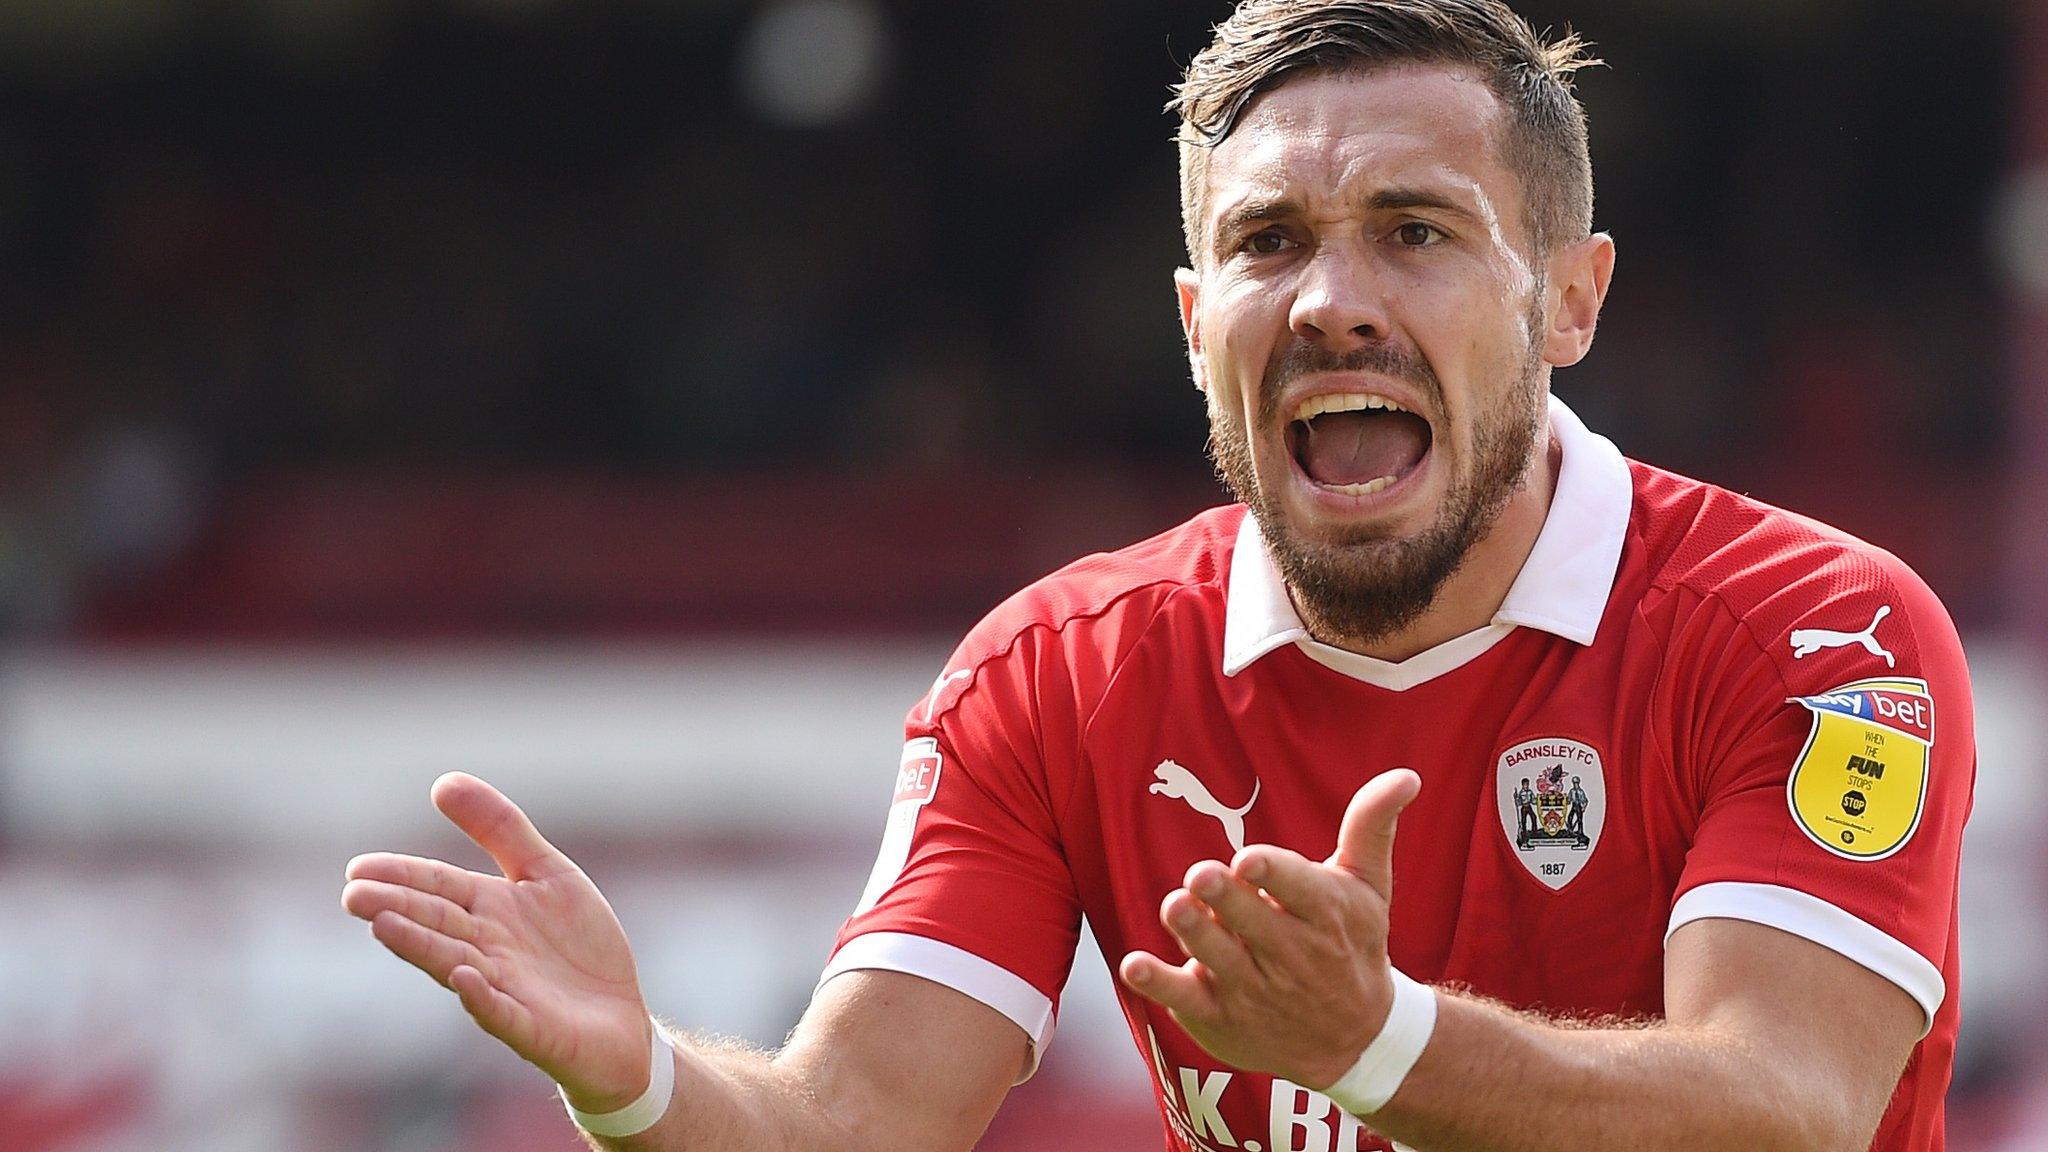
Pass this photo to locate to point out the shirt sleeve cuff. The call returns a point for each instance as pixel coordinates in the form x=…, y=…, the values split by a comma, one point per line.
x=958, y=969
x=1812, y=918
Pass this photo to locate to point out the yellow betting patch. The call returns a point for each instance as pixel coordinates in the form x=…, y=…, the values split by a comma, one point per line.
x=1858, y=787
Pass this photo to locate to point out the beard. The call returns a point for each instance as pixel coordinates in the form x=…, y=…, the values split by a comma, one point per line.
x=1364, y=587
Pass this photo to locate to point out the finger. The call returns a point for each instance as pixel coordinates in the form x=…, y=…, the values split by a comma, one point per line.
x=1238, y=906
x=1300, y=886
x=1365, y=841
x=422, y=947
x=443, y=879
x=364, y=899
x=498, y=826
x=495, y=1011
x=1181, y=989
x=1202, y=938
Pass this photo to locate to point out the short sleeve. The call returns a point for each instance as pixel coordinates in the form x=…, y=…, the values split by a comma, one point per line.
x=971, y=888
x=1838, y=772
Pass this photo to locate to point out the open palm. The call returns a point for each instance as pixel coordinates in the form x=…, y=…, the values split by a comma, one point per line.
x=536, y=956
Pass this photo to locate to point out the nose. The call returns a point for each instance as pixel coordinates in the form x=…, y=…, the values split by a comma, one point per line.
x=1339, y=305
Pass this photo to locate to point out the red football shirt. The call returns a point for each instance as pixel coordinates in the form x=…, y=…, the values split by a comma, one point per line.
x=1690, y=705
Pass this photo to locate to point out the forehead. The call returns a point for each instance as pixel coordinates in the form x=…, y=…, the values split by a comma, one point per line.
x=1343, y=135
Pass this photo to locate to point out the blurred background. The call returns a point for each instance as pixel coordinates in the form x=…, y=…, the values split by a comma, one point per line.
x=632, y=402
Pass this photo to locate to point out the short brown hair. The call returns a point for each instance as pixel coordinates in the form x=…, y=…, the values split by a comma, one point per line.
x=1267, y=41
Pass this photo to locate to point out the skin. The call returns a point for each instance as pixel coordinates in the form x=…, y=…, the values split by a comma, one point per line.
x=1352, y=210
x=1287, y=965
x=1347, y=212
x=1287, y=973
x=879, y=1061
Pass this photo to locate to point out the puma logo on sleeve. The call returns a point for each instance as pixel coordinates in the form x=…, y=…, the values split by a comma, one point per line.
x=1180, y=784
x=931, y=700
x=1807, y=641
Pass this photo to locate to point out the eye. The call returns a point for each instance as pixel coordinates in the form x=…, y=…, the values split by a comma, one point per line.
x=1416, y=234
x=1268, y=243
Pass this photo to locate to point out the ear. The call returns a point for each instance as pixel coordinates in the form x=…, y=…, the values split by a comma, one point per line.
x=1579, y=276
x=1187, y=284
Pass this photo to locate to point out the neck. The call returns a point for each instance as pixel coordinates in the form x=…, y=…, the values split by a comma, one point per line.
x=1469, y=599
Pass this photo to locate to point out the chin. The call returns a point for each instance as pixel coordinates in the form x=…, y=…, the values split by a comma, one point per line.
x=1361, y=576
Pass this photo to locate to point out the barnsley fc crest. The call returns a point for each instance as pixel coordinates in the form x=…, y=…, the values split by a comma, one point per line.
x=1552, y=797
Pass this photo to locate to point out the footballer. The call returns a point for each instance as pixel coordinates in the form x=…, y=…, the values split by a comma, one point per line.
x=1679, y=778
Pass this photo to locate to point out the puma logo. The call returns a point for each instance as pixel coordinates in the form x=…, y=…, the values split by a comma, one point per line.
x=931, y=700
x=1807, y=641
x=1181, y=784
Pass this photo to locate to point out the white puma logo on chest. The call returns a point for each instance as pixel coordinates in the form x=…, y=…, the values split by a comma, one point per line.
x=1181, y=784
x=1807, y=641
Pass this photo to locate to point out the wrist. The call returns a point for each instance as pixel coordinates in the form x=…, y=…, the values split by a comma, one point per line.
x=616, y=1114
x=1385, y=1063
x=609, y=1093
x=1342, y=1058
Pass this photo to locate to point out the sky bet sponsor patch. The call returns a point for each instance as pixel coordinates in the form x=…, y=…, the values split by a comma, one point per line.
x=1860, y=781
x=917, y=781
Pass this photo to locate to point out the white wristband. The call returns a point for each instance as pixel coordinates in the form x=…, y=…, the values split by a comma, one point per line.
x=641, y=1114
x=1386, y=1061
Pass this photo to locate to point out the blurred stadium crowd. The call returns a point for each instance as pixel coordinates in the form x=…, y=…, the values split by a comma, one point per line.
x=505, y=384
x=249, y=242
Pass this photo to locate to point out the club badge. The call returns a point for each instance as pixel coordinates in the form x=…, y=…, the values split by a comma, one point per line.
x=1552, y=797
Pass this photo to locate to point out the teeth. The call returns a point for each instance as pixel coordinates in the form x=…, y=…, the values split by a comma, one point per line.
x=1315, y=406
x=1365, y=489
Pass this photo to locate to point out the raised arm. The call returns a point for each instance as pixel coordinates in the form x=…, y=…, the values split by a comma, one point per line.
x=1770, y=1041
x=537, y=958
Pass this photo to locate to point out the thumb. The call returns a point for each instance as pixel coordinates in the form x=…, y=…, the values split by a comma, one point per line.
x=1365, y=841
x=498, y=827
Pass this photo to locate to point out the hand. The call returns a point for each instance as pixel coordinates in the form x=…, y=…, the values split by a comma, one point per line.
x=536, y=955
x=1287, y=970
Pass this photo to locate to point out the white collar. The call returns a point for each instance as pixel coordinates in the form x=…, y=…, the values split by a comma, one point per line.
x=1562, y=588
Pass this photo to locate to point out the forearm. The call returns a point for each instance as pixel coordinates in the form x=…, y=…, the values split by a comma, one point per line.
x=732, y=1097
x=881, y=1062
x=1493, y=1080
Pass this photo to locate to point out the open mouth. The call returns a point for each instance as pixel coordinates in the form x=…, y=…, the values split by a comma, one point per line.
x=1356, y=444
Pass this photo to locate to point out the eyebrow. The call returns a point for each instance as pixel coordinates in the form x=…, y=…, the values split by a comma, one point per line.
x=1258, y=210
x=1397, y=198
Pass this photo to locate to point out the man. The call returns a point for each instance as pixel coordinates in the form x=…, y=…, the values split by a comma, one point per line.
x=1525, y=813
x=1575, y=823
x=1440, y=582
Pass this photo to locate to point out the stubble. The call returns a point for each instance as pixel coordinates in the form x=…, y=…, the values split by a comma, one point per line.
x=1359, y=590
